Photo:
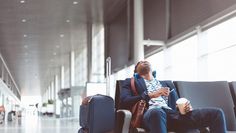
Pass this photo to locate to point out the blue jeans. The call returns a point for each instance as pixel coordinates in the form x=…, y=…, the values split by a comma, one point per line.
x=158, y=120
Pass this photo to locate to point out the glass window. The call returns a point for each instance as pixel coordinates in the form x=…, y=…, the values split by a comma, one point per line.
x=178, y=62
x=222, y=50
x=157, y=62
x=209, y=55
x=221, y=65
x=183, y=57
x=222, y=35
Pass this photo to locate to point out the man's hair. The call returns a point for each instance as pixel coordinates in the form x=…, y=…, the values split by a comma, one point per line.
x=142, y=67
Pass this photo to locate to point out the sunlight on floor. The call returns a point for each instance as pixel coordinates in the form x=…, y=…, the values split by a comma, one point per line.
x=32, y=123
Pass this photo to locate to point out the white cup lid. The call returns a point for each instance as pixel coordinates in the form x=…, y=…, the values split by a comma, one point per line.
x=181, y=100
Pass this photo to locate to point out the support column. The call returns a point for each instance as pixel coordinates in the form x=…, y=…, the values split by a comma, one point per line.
x=56, y=101
x=72, y=69
x=62, y=77
x=49, y=92
x=72, y=78
x=56, y=87
x=43, y=97
x=89, y=51
x=138, y=31
x=52, y=91
x=62, y=87
x=46, y=95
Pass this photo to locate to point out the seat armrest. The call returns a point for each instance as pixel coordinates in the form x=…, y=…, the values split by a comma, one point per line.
x=127, y=118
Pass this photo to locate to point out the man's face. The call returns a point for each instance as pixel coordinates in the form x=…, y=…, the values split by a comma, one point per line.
x=143, y=68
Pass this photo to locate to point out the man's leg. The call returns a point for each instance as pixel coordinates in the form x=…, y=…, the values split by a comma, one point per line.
x=155, y=120
x=199, y=118
x=213, y=118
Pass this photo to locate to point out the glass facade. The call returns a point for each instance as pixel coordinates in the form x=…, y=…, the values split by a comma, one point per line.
x=205, y=56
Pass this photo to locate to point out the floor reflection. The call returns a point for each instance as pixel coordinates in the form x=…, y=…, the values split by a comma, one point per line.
x=35, y=124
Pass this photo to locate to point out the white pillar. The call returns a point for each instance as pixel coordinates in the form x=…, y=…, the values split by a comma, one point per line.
x=56, y=86
x=138, y=31
x=72, y=68
x=47, y=95
x=62, y=77
x=56, y=101
x=45, y=98
x=49, y=92
x=52, y=91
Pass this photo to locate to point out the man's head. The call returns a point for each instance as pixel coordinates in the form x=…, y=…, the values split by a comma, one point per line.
x=143, y=68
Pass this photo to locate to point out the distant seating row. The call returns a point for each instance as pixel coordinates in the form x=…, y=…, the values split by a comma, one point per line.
x=221, y=94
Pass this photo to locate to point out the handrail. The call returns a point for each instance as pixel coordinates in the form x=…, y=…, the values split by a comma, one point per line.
x=9, y=73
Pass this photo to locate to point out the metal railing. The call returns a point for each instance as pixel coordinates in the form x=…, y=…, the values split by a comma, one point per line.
x=7, y=78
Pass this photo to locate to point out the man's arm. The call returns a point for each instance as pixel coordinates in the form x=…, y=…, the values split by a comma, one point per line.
x=164, y=91
x=128, y=99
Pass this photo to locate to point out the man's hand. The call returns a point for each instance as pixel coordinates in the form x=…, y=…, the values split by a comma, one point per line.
x=164, y=91
x=188, y=107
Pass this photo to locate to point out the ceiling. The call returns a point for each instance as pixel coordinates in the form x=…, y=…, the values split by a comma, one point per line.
x=36, y=36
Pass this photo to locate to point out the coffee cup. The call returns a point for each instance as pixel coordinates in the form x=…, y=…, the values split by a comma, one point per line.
x=181, y=103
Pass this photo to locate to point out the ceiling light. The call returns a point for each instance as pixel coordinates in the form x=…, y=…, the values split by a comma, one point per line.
x=24, y=35
x=62, y=35
x=68, y=21
x=57, y=46
x=22, y=1
x=23, y=20
x=54, y=53
x=75, y=2
x=25, y=46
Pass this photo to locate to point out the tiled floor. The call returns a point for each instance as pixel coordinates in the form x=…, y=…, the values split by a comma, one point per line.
x=35, y=124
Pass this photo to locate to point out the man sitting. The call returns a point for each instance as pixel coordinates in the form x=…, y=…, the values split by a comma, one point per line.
x=161, y=113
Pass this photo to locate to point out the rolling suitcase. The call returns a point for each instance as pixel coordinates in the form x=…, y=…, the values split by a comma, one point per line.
x=97, y=114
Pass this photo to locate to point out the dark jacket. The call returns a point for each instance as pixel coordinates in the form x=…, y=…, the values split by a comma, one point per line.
x=128, y=99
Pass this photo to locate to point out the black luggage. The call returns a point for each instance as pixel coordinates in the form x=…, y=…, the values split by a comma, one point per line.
x=97, y=114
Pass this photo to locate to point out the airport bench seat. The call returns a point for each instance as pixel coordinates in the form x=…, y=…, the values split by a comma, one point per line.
x=123, y=117
x=209, y=94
